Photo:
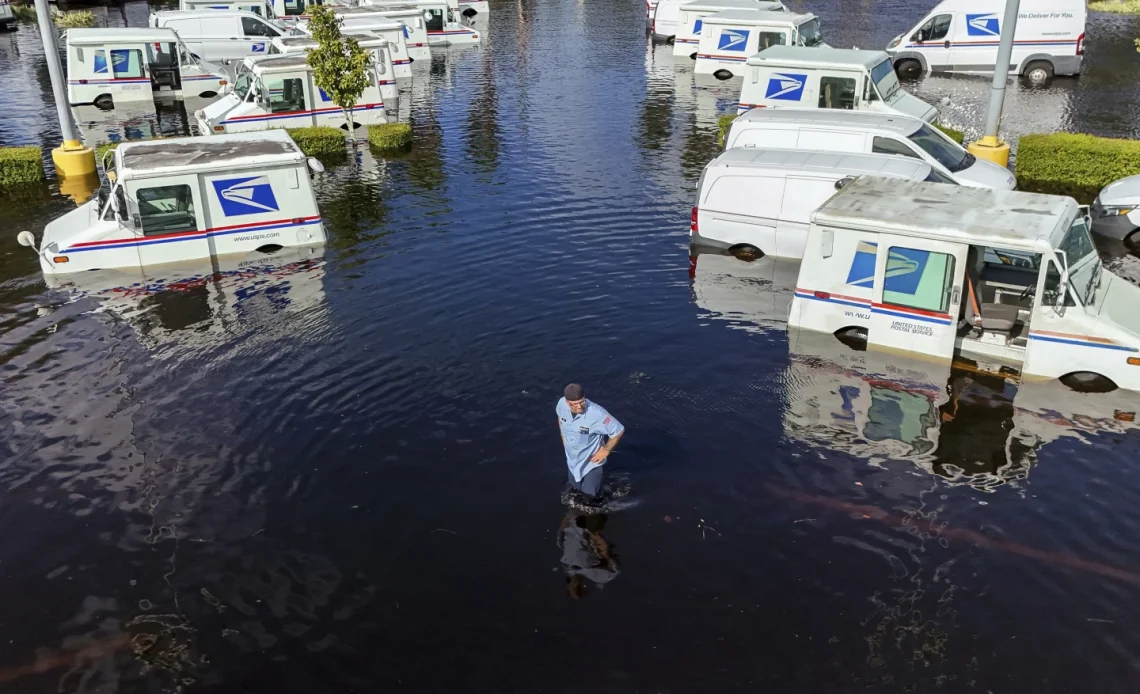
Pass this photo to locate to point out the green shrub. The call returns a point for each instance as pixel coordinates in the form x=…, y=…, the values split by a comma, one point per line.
x=722, y=124
x=1075, y=165
x=322, y=141
x=955, y=135
x=1118, y=6
x=72, y=20
x=24, y=13
x=390, y=136
x=21, y=165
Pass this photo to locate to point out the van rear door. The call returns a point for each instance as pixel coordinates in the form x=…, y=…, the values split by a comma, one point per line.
x=917, y=293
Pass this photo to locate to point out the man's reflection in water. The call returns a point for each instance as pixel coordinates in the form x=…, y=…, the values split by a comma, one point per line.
x=585, y=553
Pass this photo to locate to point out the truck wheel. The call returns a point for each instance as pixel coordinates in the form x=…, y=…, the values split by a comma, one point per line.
x=1039, y=73
x=722, y=74
x=208, y=95
x=854, y=337
x=908, y=68
x=104, y=102
x=1132, y=241
x=1088, y=382
x=692, y=56
x=746, y=252
x=671, y=40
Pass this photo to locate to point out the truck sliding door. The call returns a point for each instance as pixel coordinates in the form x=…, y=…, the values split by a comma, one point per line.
x=917, y=295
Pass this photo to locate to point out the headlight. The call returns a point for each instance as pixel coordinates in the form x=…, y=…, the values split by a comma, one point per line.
x=893, y=43
x=1116, y=210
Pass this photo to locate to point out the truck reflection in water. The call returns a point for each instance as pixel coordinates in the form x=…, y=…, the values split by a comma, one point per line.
x=206, y=304
x=960, y=422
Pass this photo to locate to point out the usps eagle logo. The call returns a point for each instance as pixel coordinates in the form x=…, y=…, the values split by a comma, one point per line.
x=240, y=196
x=785, y=86
x=983, y=25
x=733, y=40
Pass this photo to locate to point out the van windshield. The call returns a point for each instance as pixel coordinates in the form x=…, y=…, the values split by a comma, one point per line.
x=944, y=150
x=883, y=75
x=810, y=34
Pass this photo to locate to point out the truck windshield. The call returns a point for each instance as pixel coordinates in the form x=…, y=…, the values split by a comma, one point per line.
x=883, y=75
x=810, y=34
x=242, y=83
x=944, y=150
x=1083, y=261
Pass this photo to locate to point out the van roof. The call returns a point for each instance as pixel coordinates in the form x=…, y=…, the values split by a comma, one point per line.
x=822, y=57
x=861, y=120
x=799, y=160
x=961, y=214
x=367, y=40
x=199, y=14
x=720, y=5
x=756, y=17
x=368, y=9
x=176, y=155
x=287, y=61
x=83, y=37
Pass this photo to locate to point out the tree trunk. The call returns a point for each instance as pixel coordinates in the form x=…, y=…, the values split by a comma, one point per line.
x=348, y=124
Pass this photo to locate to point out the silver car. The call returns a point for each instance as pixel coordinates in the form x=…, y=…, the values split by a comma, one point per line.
x=1116, y=211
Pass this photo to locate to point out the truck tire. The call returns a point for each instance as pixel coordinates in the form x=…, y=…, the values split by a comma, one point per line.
x=1088, y=382
x=723, y=74
x=908, y=68
x=1039, y=73
x=104, y=102
x=746, y=252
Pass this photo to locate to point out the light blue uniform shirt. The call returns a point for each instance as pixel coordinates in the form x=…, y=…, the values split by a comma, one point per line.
x=583, y=434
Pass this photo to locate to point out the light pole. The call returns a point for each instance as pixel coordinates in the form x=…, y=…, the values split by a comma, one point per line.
x=990, y=147
x=71, y=158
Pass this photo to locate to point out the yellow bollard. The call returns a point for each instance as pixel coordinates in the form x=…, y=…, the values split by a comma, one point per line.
x=990, y=149
x=73, y=159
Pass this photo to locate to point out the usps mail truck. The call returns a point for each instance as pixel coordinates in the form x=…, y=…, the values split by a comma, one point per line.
x=166, y=201
x=686, y=34
x=7, y=19
x=379, y=19
x=962, y=36
x=667, y=16
x=908, y=263
x=840, y=78
x=729, y=37
x=380, y=49
x=220, y=35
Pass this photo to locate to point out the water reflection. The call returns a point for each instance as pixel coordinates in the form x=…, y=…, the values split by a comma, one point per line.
x=587, y=557
x=196, y=306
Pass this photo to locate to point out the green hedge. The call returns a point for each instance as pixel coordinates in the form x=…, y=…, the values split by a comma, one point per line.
x=322, y=141
x=955, y=135
x=722, y=124
x=390, y=136
x=1075, y=165
x=21, y=165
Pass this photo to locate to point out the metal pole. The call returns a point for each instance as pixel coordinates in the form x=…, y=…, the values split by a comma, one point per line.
x=55, y=70
x=1001, y=69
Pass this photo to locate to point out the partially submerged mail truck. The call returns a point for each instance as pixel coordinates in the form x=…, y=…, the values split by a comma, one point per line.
x=728, y=38
x=686, y=27
x=165, y=201
x=907, y=265
x=962, y=36
x=842, y=78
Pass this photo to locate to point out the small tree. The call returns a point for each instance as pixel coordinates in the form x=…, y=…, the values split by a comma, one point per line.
x=340, y=65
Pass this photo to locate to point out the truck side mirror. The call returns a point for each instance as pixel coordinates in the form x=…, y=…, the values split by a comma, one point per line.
x=827, y=243
x=136, y=221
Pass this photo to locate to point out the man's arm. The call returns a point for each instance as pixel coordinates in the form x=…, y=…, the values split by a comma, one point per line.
x=560, y=434
x=604, y=451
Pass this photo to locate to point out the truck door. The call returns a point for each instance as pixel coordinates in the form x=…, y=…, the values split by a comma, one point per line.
x=162, y=62
x=284, y=98
x=839, y=90
x=257, y=35
x=917, y=295
x=169, y=214
x=128, y=69
x=932, y=39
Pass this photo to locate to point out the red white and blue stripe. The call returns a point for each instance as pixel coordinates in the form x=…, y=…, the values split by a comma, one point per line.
x=1078, y=340
x=892, y=310
x=298, y=114
x=135, y=242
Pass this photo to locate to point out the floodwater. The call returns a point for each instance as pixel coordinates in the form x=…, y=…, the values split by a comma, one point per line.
x=339, y=471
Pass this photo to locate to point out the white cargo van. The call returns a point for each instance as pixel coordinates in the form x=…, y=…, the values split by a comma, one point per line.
x=392, y=33
x=220, y=35
x=381, y=60
x=667, y=15
x=839, y=78
x=730, y=36
x=760, y=200
x=367, y=18
x=441, y=17
x=116, y=66
x=270, y=9
x=866, y=132
x=685, y=33
x=962, y=36
x=165, y=201
x=278, y=92
x=907, y=264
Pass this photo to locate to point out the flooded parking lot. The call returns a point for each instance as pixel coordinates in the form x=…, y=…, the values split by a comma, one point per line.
x=339, y=471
